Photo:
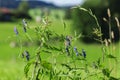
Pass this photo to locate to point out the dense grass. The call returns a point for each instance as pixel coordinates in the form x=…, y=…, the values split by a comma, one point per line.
x=11, y=64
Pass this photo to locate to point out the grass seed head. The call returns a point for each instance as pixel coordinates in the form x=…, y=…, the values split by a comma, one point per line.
x=117, y=21
x=108, y=12
x=109, y=41
x=104, y=19
x=112, y=35
x=106, y=42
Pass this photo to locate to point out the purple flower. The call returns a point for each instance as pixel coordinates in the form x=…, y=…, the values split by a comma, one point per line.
x=67, y=50
x=75, y=49
x=16, y=31
x=83, y=53
x=26, y=54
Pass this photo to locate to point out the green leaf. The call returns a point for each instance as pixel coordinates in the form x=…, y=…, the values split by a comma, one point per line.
x=113, y=78
x=46, y=51
x=37, y=76
x=111, y=56
x=28, y=36
x=52, y=47
x=46, y=65
x=67, y=66
x=106, y=72
x=27, y=68
x=58, y=72
x=98, y=62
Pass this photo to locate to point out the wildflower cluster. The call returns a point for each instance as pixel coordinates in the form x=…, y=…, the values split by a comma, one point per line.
x=83, y=53
x=24, y=27
x=47, y=65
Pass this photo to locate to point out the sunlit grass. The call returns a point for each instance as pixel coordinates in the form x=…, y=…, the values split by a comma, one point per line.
x=11, y=64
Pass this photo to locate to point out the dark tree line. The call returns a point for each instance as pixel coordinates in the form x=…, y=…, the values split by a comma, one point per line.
x=84, y=23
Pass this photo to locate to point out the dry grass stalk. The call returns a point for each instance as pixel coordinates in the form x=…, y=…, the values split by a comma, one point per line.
x=117, y=21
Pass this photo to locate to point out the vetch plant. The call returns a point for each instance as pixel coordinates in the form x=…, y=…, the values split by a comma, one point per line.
x=51, y=63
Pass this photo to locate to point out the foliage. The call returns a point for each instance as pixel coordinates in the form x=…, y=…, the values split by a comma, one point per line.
x=75, y=65
x=67, y=14
x=84, y=23
x=22, y=10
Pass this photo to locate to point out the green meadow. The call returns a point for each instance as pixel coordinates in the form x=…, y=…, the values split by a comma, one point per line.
x=11, y=63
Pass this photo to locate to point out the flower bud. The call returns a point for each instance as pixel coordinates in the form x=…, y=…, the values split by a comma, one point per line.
x=108, y=12
x=83, y=53
x=75, y=49
x=16, y=31
x=27, y=55
x=105, y=19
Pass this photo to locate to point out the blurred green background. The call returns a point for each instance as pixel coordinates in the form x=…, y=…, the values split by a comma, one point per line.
x=12, y=65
